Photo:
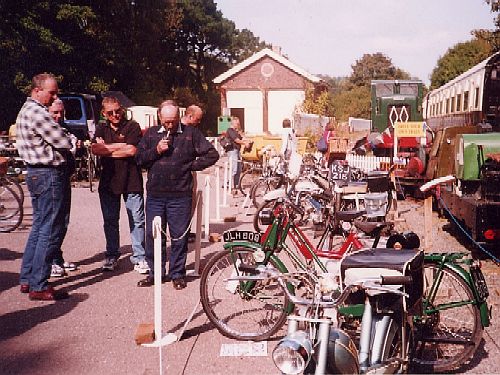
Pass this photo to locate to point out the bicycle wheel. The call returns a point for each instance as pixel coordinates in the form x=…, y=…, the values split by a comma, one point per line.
x=449, y=332
x=11, y=209
x=247, y=179
x=241, y=310
x=263, y=186
x=15, y=185
x=90, y=171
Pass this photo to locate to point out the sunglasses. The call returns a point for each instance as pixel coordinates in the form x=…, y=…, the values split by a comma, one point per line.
x=114, y=112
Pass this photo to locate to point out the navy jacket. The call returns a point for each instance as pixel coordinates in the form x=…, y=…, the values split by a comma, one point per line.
x=169, y=174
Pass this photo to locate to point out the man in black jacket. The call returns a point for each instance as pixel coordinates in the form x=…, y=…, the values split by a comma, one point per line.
x=170, y=152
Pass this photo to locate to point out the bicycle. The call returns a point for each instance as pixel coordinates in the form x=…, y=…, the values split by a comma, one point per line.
x=86, y=165
x=455, y=309
x=11, y=207
x=454, y=287
x=255, y=311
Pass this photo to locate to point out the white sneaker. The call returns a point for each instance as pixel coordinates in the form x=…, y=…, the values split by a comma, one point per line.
x=68, y=266
x=57, y=271
x=142, y=267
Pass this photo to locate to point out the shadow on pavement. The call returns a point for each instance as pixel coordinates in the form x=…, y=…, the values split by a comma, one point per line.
x=77, y=279
x=17, y=322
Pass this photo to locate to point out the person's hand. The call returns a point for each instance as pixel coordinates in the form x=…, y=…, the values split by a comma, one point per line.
x=162, y=146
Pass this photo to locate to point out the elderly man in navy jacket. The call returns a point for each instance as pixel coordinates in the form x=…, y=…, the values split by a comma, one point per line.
x=170, y=152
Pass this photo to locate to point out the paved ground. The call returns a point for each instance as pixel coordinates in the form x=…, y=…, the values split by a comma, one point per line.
x=93, y=331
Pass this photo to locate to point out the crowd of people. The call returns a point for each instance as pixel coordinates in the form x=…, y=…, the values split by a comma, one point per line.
x=171, y=152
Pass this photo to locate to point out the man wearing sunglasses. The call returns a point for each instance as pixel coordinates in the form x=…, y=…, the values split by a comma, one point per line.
x=115, y=142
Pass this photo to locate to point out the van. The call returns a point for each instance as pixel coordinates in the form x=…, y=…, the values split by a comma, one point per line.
x=82, y=113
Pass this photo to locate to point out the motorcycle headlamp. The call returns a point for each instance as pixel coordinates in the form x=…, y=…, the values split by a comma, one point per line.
x=292, y=354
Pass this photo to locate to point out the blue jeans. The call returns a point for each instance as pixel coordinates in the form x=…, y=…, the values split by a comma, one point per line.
x=47, y=187
x=110, y=207
x=58, y=256
x=235, y=157
x=176, y=212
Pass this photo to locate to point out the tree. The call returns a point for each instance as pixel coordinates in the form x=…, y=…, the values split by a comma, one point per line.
x=374, y=66
x=149, y=49
x=457, y=60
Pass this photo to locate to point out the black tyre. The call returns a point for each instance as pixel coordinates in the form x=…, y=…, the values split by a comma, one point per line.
x=90, y=171
x=448, y=337
x=14, y=185
x=262, y=187
x=247, y=179
x=241, y=310
x=11, y=209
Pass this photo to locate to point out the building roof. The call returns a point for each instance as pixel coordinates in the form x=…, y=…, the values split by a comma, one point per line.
x=259, y=55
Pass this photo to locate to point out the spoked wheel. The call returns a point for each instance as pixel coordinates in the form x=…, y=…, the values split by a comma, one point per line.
x=262, y=187
x=242, y=310
x=14, y=185
x=11, y=209
x=90, y=171
x=247, y=179
x=450, y=329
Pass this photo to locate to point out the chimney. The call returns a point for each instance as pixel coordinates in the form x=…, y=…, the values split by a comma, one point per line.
x=276, y=49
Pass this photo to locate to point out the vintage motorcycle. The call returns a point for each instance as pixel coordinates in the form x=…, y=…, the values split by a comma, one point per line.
x=319, y=341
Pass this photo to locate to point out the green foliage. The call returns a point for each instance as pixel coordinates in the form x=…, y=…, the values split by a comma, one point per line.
x=353, y=102
x=457, y=60
x=351, y=95
x=317, y=103
x=374, y=66
x=149, y=49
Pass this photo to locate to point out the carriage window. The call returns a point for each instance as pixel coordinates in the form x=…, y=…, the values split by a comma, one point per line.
x=452, y=105
x=440, y=108
x=476, y=98
x=466, y=100
x=459, y=103
x=447, y=108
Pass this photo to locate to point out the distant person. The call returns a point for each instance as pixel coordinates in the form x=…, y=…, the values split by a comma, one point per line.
x=170, y=152
x=59, y=266
x=235, y=134
x=116, y=143
x=192, y=117
x=45, y=147
x=288, y=140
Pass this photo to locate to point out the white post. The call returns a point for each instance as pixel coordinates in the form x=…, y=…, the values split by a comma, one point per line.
x=217, y=194
x=206, y=199
x=170, y=337
x=230, y=175
x=197, y=242
x=224, y=186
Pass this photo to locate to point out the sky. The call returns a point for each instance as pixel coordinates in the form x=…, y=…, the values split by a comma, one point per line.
x=328, y=36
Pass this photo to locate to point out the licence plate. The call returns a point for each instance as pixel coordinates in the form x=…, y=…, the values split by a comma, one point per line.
x=241, y=235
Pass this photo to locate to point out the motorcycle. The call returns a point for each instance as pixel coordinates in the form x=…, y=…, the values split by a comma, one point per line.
x=390, y=285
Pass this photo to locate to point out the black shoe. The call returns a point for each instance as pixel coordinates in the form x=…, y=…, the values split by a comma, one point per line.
x=150, y=281
x=191, y=237
x=179, y=283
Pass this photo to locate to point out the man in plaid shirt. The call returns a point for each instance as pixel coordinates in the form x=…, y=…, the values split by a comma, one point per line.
x=44, y=146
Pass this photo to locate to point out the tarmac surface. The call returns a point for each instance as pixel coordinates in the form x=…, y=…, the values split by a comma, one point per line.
x=93, y=331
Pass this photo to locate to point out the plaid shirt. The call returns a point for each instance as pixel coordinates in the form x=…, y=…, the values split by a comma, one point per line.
x=40, y=140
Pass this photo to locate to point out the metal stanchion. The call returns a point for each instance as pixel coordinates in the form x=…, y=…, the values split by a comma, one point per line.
x=206, y=221
x=169, y=338
x=224, y=186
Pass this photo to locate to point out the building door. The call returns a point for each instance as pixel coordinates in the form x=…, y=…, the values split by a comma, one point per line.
x=240, y=113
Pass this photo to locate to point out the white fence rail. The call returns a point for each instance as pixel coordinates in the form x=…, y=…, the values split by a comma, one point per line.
x=370, y=163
